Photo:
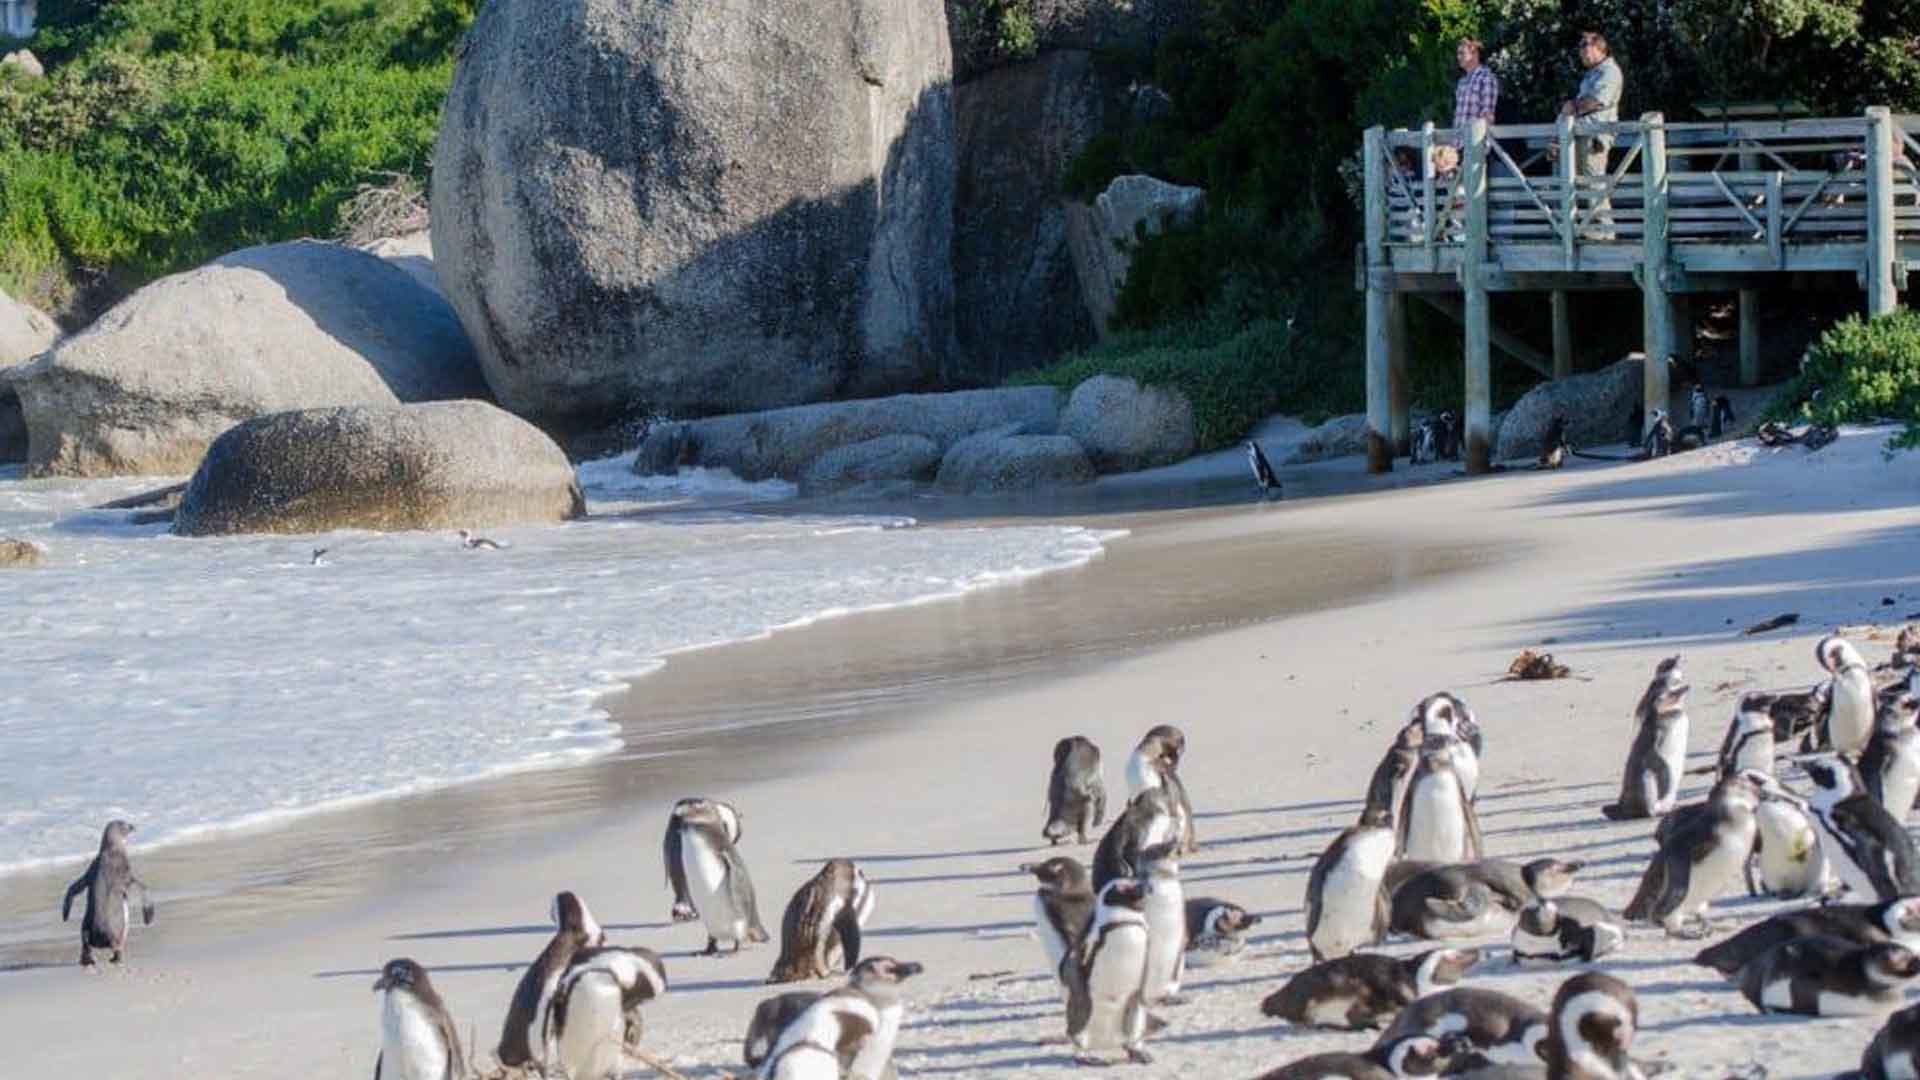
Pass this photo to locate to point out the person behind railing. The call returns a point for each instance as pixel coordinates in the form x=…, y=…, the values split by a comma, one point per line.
x=1597, y=102
x=1474, y=97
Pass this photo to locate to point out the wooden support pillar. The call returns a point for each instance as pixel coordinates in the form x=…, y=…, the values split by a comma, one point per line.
x=1562, y=334
x=1881, y=296
x=1750, y=309
x=1399, y=424
x=1658, y=340
x=1473, y=266
x=1379, y=301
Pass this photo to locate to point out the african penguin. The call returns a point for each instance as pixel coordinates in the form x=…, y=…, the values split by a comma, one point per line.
x=1504, y=1029
x=477, y=543
x=1650, y=784
x=109, y=883
x=593, y=1014
x=1563, y=929
x=1788, y=860
x=1818, y=976
x=1263, y=475
x=1866, y=849
x=1105, y=1010
x=700, y=842
x=1155, y=763
x=1594, y=1020
x=821, y=927
x=1415, y=1055
x=1748, y=743
x=1149, y=819
x=1553, y=451
x=1699, y=407
x=417, y=1038
x=1889, y=921
x=1659, y=438
x=1700, y=857
x=1166, y=910
x=1216, y=931
x=1365, y=990
x=730, y=821
x=1076, y=796
x=1795, y=713
x=1437, y=819
x=520, y=1037
x=1390, y=777
x=1446, y=909
x=1891, y=765
x=1894, y=1053
x=1850, y=698
x=852, y=1029
x=1346, y=907
x=1513, y=885
x=1444, y=713
x=1062, y=907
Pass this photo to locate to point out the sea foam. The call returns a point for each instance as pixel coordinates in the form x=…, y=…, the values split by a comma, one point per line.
x=197, y=684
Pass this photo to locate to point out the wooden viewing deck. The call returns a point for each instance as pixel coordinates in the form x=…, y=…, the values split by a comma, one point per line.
x=1693, y=208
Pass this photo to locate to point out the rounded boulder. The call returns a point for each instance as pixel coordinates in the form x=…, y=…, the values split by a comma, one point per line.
x=438, y=465
x=1125, y=426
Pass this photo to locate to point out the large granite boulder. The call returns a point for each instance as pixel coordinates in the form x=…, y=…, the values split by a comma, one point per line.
x=876, y=464
x=440, y=465
x=699, y=207
x=264, y=330
x=411, y=252
x=997, y=463
x=1341, y=436
x=782, y=442
x=1102, y=236
x=1018, y=299
x=1596, y=406
x=24, y=334
x=1125, y=426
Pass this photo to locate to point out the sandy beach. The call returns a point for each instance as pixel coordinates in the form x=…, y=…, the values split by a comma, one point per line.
x=1287, y=639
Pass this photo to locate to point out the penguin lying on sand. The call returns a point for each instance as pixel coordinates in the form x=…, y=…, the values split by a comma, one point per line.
x=1365, y=990
x=1415, y=1055
x=1894, y=1053
x=1216, y=931
x=1889, y=921
x=1442, y=901
x=1503, y=1029
x=1818, y=976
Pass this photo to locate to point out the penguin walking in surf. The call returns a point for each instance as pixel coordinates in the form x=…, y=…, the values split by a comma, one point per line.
x=417, y=1038
x=109, y=883
x=1650, y=784
x=821, y=928
x=1076, y=795
x=1869, y=853
x=593, y=1014
x=1155, y=763
x=521, y=1039
x=700, y=848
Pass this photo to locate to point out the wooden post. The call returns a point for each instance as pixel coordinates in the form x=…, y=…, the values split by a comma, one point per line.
x=1565, y=168
x=1881, y=297
x=1750, y=306
x=1473, y=265
x=1429, y=205
x=1658, y=312
x=1379, y=336
x=1398, y=423
x=1562, y=334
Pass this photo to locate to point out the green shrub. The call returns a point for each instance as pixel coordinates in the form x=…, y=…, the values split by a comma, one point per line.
x=1861, y=370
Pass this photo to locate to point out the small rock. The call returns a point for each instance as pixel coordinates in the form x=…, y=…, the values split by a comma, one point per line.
x=22, y=553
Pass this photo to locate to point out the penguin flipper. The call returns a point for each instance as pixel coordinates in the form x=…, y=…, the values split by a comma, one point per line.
x=740, y=892
x=79, y=886
x=676, y=873
x=146, y=903
x=1079, y=996
x=378, y=1059
x=847, y=925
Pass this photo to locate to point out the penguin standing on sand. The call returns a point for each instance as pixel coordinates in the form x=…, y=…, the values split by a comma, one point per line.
x=1820, y=976
x=700, y=843
x=1389, y=779
x=1890, y=767
x=1437, y=818
x=594, y=1011
x=850, y=1031
x=1105, y=1009
x=1366, y=990
x=520, y=1035
x=1850, y=700
x=822, y=924
x=1150, y=819
x=1868, y=851
x=1346, y=907
x=1701, y=856
x=1443, y=713
x=1748, y=743
x=1893, y=921
x=1264, y=477
x=1155, y=763
x=109, y=883
x=1166, y=911
x=1216, y=931
x=730, y=822
x=1894, y=1053
x=1414, y=1055
x=1788, y=859
x=1650, y=784
x=1062, y=907
x=417, y=1038
x=1076, y=796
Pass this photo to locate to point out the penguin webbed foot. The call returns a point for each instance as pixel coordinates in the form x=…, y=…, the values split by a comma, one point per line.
x=1139, y=1056
x=1091, y=1060
x=683, y=912
x=713, y=947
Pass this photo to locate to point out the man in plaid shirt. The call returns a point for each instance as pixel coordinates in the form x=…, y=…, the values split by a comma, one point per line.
x=1477, y=92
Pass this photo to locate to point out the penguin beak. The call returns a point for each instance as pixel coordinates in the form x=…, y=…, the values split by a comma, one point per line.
x=382, y=983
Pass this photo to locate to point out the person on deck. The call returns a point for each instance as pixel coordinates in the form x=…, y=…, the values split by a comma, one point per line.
x=1597, y=102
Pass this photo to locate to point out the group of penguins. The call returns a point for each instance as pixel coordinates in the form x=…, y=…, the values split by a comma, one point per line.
x=1120, y=934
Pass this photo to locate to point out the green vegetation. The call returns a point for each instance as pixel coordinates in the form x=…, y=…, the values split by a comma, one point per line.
x=1270, y=98
x=989, y=33
x=1862, y=370
x=172, y=131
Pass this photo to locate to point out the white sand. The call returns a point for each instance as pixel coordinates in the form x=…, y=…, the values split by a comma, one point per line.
x=1619, y=565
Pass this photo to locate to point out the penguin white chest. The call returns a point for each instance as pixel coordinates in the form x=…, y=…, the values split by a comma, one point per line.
x=1850, y=718
x=1900, y=783
x=877, y=1050
x=1436, y=821
x=1900, y=1066
x=589, y=1048
x=1671, y=747
x=1050, y=939
x=1119, y=967
x=1166, y=911
x=410, y=1047
x=1841, y=860
x=1789, y=850
x=1141, y=774
x=706, y=874
x=1349, y=892
x=1712, y=875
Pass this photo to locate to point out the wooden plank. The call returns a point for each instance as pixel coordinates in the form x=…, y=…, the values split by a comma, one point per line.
x=1373, y=150
x=1882, y=297
x=1477, y=312
x=1657, y=311
x=1398, y=391
x=1507, y=342
x=1562, y=334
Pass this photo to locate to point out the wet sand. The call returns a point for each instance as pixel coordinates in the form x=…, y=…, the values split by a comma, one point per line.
x=713, y=718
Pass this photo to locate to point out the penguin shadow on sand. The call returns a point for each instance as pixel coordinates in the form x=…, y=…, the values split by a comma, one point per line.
x=438, y=969
x=544, y=930
x=920, y=856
